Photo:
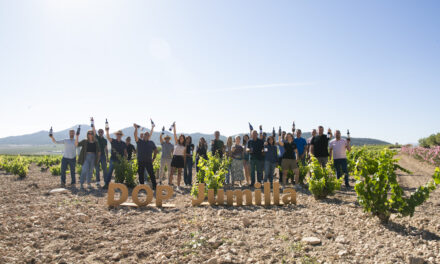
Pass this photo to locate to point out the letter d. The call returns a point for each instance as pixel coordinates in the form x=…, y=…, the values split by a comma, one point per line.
x=111, y=194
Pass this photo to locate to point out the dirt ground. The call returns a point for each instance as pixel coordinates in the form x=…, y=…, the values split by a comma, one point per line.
x=78, y=227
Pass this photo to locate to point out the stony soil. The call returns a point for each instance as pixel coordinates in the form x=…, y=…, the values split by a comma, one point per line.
x=78, y=227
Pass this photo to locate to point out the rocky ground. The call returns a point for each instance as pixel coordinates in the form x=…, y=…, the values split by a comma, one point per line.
x=77, y=227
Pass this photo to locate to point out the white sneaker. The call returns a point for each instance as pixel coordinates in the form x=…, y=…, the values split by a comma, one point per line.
x=178, y=188
x=89, y=185
x=98, y=185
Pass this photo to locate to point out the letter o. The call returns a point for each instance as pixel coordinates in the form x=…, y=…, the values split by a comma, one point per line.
x=136, y=192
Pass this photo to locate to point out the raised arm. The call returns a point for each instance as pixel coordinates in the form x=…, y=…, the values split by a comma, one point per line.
x=161, y=139
x=135, y=133
x=76, y=140
x=107, y=135
x=175, y=134
x=151, y=131
x=348, y=145
x=280, y=141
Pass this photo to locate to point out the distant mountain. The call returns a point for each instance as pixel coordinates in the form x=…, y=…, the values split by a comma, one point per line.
x=41, y=139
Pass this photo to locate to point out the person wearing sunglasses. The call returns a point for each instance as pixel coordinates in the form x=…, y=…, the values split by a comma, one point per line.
x=118, y=150
x=88, y=157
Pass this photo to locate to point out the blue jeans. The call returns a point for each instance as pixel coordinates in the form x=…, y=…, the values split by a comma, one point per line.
x=87, y=168
x=256, y=165
x=269, y=170
x=187, y=172
x=108, y=176
x=72, y=164
x=103, y=162
x=341, y=168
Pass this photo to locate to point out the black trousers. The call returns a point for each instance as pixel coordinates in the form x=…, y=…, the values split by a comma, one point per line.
x=142, y=165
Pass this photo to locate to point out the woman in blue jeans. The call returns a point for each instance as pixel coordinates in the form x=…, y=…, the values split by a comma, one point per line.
x=88, y=157
x=270, y=159
x=189, y=150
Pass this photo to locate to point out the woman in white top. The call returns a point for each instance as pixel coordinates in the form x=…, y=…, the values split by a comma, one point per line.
x=178, y=162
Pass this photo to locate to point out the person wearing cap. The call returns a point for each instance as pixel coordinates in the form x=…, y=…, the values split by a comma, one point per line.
x=88, y=157
x=167, y=156
x=119, y=148
x=146, y=155
x=69, y=157
x=338, y=149
x=103, y=158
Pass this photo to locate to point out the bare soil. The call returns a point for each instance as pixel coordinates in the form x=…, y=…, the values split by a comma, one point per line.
x=78, y=227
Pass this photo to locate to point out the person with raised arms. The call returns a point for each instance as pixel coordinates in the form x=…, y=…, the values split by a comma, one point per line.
x=167, y=156
x=255, y=150
x=301, y=145
x=69, y=157
x=217, y=145
x=119, y=148
x=103, y=158
x=178, y=161
x=289, y=161
x=146, y=154
x=319, y=146
x=189, y=155
x=338, y=149
x=88, y=157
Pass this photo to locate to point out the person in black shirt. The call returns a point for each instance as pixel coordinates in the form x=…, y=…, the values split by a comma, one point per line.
x=289, y=161
x=255, y=148
x=201, y=152
x=319, y=146
x=187, y=172
x=118, y=148
x=130, y=148
x=145, y=150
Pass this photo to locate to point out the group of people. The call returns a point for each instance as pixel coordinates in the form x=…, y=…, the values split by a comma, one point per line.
x=254, y=157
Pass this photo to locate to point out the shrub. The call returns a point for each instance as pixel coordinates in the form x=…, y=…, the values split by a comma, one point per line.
x=16, y=165
x=212, y=172
x=321, y=182
x=125, y=172
x=55, y=170
x=378, y=190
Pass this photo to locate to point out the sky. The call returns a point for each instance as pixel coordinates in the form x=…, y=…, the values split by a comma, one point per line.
x=369, y=66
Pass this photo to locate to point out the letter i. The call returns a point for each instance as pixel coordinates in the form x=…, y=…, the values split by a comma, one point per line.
x=257, y=193
x=266, y=193
x=276, y=193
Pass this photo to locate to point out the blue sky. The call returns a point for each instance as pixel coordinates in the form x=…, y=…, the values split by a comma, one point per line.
x=370, y=66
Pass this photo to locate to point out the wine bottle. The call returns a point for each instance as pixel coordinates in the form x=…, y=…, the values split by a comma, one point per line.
x=293, y=127
x=279, y=131
x=137, y=126
x=163, y=130
x=348, y=134
x=261, y=129
x=78, y=130
x=106, y=124
x=273, y=133
x=92, y=122
x=50, y=132
x=172, y=126
x=250, y=127
x=329, y=131
x=152, y=123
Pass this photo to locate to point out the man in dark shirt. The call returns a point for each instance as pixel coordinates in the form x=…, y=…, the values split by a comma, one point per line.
x=217, y=145
x=319, y=146
x=130, y=148
x=119, y=148
x=145, y=150
x=255, y=149
x=103, y=158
